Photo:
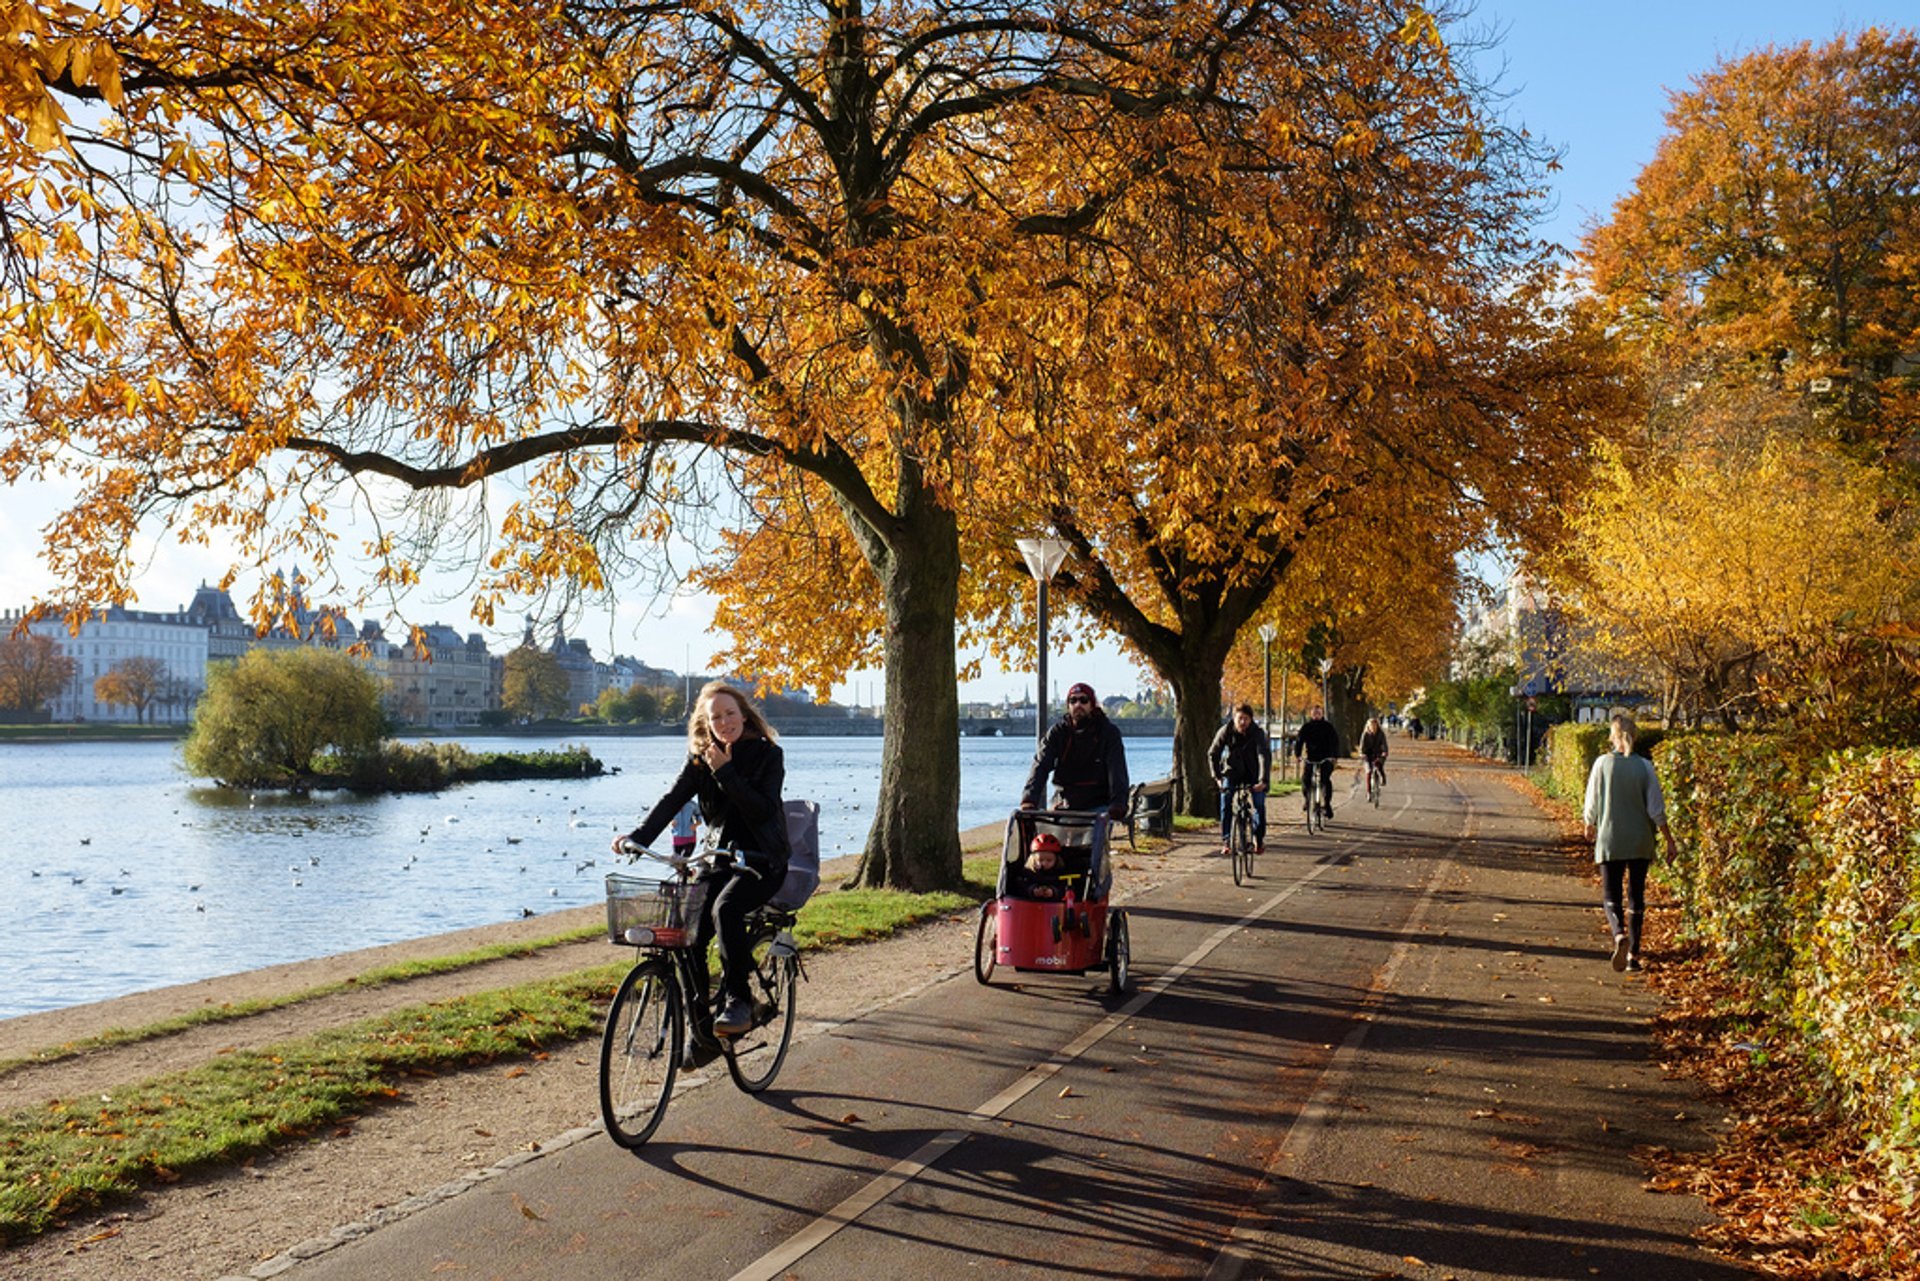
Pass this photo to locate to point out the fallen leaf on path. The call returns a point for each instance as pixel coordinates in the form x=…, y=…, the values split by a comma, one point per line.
x=527, y=1210
x=1066, y=1092
x=516, y=1072
x=851, y=1118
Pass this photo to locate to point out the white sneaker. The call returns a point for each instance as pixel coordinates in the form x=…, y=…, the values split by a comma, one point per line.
x=1619, y=952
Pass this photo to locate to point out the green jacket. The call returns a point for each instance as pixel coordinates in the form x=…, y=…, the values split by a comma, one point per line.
x=1624, y=807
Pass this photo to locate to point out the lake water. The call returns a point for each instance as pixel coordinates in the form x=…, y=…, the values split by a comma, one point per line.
x=122, y=873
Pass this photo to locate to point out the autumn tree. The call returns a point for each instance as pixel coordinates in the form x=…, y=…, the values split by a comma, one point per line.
x=1712, y=572
x=1233, y=357
x=1377, y=596
x=138, y=682
x=456, y=244
x=533, y=685
x=1373, y=339
x=266, y=715
x=33, y=671
x=1770, y=252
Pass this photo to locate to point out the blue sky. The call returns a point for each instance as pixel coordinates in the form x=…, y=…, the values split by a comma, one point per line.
x=1590, y=79
x=1594, y=79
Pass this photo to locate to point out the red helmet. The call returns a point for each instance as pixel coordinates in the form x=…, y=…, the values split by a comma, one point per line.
x=1044, y=843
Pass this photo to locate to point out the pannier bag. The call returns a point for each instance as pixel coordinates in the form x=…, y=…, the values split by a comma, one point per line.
x=803, y=855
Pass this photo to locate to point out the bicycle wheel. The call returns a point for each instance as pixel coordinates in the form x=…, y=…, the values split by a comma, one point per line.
x=754, y=1057
x=640, y=1052
x=1239, y=844
x=986, y=941
x=1119, y=953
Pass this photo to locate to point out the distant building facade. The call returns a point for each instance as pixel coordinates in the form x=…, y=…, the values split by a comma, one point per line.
x=179, y=645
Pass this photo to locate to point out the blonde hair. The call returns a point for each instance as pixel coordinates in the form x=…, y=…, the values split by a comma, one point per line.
x=700, y=731
x=1373, y=724
x=1623, y=731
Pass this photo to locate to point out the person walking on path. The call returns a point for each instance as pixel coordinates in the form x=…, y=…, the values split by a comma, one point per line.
x=1085, y=757
x=1623, y=807
x=1240, y=756
x=735, y=768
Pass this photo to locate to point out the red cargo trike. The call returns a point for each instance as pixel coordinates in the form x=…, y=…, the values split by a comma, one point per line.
x=1058, y=923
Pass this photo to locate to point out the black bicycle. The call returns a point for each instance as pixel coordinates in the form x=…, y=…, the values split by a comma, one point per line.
x=1376, y=779
x=1318, y=801
x=1241, y=843
x=650, y=1032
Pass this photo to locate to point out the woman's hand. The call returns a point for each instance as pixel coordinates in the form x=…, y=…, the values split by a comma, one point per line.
x=718, y=754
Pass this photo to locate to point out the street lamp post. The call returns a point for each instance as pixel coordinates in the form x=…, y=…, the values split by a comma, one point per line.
x=1044, y=557
x=1326, y=665
x=1266, y=660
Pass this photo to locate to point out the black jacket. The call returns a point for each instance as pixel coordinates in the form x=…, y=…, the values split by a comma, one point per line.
x=1374, y=744
x=741, y=801
x=1088, y=764
x=1317, y=741
x=1241, y=758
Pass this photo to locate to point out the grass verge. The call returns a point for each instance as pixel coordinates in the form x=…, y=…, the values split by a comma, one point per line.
x=74, y=1155
x=381, y=976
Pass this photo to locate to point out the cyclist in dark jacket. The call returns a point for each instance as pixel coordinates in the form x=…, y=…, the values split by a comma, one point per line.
x=1373, y=746
x=1084, y=756
x=1319, y=742
x=736, y=769
x=1241, y=757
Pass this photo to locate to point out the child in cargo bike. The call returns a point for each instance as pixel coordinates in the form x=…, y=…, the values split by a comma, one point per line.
x=1044, y=874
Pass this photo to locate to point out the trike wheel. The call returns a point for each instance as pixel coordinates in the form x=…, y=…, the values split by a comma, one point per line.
x=640, y=1052
x=754, y=1057
x=1119, y=954
x=986, y=941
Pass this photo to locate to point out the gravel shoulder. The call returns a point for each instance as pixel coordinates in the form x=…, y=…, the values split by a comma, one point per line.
x=438, y=1131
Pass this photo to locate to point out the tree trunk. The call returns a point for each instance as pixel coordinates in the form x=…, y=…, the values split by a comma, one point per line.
x=1196, y=719
x=915, y=840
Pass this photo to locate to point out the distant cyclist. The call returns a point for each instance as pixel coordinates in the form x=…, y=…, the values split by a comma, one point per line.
x=1241, y=757
x=1319, y=743
x=1373, y=746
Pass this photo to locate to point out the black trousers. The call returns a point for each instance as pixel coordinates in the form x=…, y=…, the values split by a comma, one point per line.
x=733, y=891
x=1629, y=874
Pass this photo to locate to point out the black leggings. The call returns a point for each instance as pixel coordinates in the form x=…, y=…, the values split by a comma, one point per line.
x=732, y=893
x=1630, y=874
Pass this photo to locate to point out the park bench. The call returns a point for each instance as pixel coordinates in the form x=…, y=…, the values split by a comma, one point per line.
x=1150, y=809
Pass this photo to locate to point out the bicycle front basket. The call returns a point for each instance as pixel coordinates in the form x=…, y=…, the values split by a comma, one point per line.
x=671, y=909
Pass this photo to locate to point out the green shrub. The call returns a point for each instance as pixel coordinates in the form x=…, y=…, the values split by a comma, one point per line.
x=267, y=716
x=1571, y=752
x=1859, y=990
x=1746, y=874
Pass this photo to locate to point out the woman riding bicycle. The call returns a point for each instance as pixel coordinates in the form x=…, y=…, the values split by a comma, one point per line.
x=736, y=769
x=1373, y=746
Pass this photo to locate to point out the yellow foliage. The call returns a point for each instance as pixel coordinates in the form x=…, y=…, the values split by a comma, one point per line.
x=1702, y=566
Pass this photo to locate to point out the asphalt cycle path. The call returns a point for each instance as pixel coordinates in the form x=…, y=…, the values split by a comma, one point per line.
x=1397, y=1052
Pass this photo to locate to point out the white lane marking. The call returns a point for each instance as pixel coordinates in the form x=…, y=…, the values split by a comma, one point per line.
x=776, y=1261
x=1236, y=1253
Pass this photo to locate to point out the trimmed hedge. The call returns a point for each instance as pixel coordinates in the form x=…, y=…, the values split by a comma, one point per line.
x=1801, y=875
x=1859, y=984
x=1739, y=808
x=1572, y=748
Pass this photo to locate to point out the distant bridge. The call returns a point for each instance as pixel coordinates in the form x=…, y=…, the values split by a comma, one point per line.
x=970, y=726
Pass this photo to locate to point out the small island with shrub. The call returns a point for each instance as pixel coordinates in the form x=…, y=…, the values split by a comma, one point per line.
x=309, y=719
